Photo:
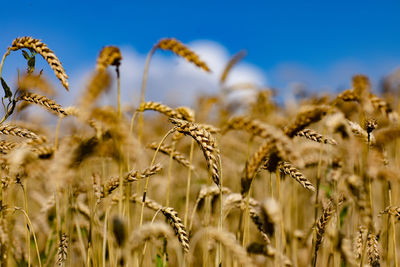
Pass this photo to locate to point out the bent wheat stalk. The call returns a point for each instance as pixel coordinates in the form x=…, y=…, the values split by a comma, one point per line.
x=44, y=51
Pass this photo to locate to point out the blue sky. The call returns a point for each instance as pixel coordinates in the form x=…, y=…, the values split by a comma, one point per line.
x=318, y=43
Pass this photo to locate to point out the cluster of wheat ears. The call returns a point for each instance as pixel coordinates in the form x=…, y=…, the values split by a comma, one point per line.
x=312, y=184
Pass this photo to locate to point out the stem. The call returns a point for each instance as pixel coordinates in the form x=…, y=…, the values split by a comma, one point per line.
x=57, y=132
x=3, y=59
x=118, y=92
x=33, y=233
x=105, y=236
x=392, y=225
x=143, y=90
x=147, y=178
x=169, y=174
x=188, y=182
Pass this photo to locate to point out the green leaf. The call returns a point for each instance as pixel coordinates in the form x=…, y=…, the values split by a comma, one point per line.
x=159, y=261
x=7, y=90
x=342, y=215
x=26, y=55
x=31, y=64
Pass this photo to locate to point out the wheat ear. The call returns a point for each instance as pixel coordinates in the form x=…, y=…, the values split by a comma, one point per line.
x=304, y=118
x=62, y=250
x=159, y=107
x=290, y=170
x=109, y=55
x=167, y=150
x=232, y=62
x=172, y=217
x=181, y=50
x=132, y=176
x=37, y=82
x=206, y=142
x=7, y=129
x=316, y=137
x=229, y=241
x=43, y=101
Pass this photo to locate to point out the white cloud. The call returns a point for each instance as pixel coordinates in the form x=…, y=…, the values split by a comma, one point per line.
x=172, y=79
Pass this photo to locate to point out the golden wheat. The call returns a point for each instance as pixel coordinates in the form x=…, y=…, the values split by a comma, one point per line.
x=181, y=50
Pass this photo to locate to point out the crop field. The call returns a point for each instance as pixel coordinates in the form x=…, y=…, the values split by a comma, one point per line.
x=98, y=183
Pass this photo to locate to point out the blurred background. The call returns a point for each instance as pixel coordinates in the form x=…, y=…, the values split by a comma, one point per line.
x=292, y=46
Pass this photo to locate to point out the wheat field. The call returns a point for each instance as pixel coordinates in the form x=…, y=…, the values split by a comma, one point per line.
x=311, y=184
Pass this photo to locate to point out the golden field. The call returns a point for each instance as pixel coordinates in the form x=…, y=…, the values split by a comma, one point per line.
x=311, y=184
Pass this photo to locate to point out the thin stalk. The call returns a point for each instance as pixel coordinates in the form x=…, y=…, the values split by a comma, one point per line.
x=220, y=223
x=57, y=132
x=28, y=236
x=33, y=233
x=147, y=178
x=143, y=90
x=81, y=243
x=169, y=174
x=105, y=236
x=188, y=183
x=3, y=59
x=392, y=225
x=118, y=92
